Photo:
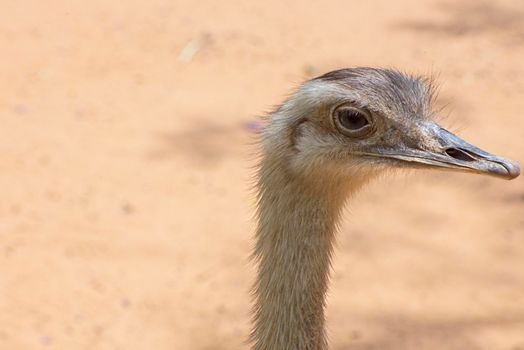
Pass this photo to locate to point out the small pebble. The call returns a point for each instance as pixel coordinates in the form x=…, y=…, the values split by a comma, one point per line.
x=254, y=126
x=46, y=340
x=125, y=303
x=20, y=109
x=127, y=208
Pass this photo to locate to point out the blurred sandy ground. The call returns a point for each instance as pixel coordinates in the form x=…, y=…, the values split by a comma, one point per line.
x=125, y=211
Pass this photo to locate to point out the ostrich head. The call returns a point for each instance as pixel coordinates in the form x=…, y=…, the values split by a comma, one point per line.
x=330, y=137
x=358, y=122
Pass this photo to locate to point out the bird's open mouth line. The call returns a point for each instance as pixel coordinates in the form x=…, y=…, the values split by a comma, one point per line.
x=455, y=159
x=417, y=159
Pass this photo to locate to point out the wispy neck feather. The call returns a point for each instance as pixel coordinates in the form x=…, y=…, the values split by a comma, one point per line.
x=296, y=225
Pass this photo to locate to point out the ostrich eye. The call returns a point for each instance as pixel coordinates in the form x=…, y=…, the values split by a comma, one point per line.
x=352, y=121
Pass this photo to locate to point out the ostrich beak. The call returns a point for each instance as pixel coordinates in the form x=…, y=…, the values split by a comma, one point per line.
x=436, y=147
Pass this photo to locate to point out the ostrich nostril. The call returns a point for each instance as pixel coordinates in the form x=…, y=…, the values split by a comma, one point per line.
x=459, y=154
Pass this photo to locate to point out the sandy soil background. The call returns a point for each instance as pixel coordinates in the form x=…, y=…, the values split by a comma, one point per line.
x=125, y=210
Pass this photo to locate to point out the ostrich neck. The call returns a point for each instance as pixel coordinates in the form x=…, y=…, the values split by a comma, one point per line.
x=294, y=245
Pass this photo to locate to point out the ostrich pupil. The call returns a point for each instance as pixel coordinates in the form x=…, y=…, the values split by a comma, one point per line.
x=352, y=120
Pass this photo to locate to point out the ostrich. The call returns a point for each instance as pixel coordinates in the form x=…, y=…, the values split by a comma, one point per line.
x=332, y=136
